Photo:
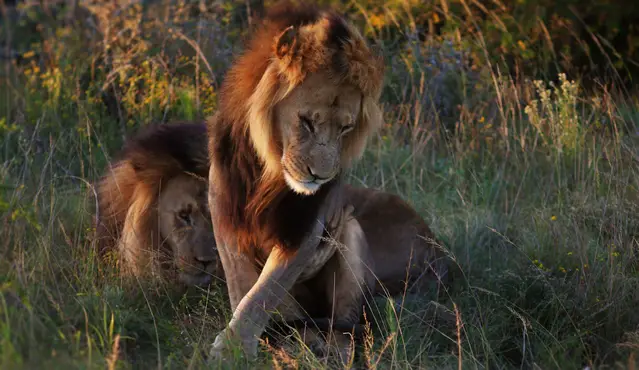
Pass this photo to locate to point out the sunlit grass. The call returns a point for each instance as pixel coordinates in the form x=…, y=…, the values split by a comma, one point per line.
x=532, y=186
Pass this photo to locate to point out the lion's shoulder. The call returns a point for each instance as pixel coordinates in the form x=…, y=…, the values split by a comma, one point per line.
x=375, y=206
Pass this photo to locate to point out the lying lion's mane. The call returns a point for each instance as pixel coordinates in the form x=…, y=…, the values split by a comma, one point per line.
x=262, y=212
x=128, y=193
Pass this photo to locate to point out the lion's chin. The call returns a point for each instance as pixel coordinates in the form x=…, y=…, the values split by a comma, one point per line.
x=201, y=279
x=304, y=188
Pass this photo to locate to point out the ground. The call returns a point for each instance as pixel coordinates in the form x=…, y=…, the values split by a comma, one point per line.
x=532, y=184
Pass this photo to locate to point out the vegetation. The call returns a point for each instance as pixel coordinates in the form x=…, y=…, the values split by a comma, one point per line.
x=528, y=175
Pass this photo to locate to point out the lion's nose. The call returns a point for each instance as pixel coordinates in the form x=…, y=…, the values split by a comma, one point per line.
x=315, y=176
x=205, y=260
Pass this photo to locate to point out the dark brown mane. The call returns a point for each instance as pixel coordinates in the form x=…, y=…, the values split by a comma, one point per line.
x=170, y=149
x=261, y=213
x=154, y=155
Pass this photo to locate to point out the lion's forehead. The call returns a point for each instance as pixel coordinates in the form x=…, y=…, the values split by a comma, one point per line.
x=178, y=203
x=322, y=89
x=182, y=191
x=332, y=117
x=327, y=104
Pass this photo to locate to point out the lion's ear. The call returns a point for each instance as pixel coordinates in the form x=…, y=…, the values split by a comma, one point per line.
x=287, y=43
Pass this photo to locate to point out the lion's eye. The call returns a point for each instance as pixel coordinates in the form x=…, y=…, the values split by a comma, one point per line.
x=307, y=123
x=185, y=215
x=346, y=128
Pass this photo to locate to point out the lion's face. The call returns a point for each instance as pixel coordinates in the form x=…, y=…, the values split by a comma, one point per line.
x=313, y=120
x=186, y=226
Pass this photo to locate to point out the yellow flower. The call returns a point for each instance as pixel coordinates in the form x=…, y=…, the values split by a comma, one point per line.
x=553, y=218
x=377, y=21
x=521, y=45
x=482, y=119
x=28, y=54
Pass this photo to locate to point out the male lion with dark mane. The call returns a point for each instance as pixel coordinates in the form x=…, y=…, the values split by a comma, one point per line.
x=152, y=205
x=295, y=112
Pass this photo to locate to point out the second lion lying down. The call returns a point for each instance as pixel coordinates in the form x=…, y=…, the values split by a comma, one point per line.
x=403, y=252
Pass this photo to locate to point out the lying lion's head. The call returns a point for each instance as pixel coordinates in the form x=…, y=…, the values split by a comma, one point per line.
x=185, y=225
x=152, y=204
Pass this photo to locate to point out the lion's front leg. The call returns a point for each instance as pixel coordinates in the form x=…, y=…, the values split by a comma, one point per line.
x=254, y=296
x=348, y=274
x=239, y=271
x=348, y=280
x=241, y=276
x=254, y=311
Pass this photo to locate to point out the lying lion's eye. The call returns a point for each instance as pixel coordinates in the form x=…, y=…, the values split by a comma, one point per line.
x=185, y=215
x=307, y=123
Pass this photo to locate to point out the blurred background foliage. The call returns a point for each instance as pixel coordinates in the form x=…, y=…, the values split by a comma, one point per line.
x=142, y=61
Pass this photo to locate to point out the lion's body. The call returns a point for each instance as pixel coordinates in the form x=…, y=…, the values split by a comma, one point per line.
x=295, y=112
x=152, y=204
x=404, y=250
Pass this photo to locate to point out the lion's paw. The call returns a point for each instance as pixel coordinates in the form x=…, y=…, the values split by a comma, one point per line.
x=220, y=349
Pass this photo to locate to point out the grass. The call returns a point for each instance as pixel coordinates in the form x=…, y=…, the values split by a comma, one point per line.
x=532, y=186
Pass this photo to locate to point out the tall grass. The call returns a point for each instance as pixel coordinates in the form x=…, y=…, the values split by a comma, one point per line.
x=532, y=186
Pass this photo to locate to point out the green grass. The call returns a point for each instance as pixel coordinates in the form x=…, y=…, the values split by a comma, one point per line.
x=533, y=188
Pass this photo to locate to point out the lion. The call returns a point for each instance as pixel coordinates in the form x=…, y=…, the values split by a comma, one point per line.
x=404, y=252
x=153, y=205
x=295, y=112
